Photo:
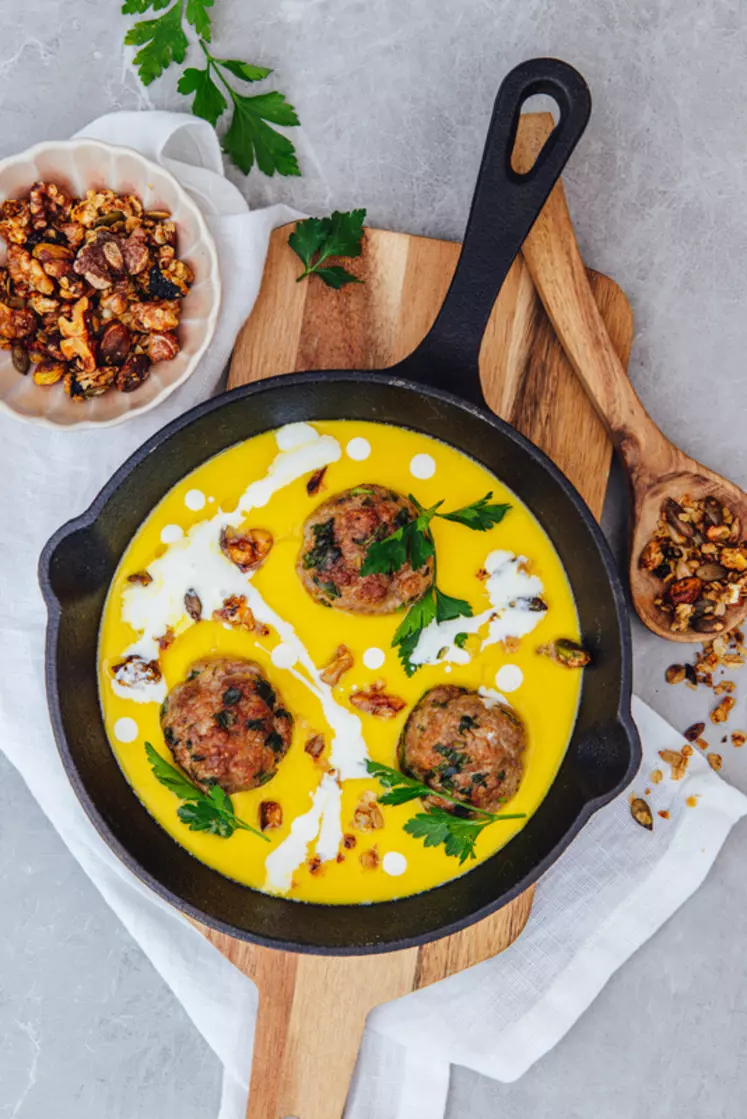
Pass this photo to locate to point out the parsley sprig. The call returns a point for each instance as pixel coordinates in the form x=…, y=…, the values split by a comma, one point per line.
x=250, y=138
x=316, y=240
x=436, y=827
x=413, y=543
x=210, y=812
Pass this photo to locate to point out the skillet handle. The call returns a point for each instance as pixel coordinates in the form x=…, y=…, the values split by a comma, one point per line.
x=505, y=205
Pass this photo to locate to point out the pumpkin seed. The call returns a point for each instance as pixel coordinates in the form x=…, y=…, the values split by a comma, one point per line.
x=109, y=219
x=641, y=813
x=20, y=358
x=713, y=511
x=709, y=572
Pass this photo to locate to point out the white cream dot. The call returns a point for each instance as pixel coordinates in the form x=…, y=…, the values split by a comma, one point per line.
x=211, y=500
x=423, y=466
x=125, y=730
x=394, y=863
x=171, y=533
x=509, y=677
x=194, y=499
x=374, y=658
x=447, y=668
x=283, y=656
x=358, y=449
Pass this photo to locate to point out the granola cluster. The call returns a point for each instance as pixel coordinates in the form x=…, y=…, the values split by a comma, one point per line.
x=91, y=291
x=698, y=553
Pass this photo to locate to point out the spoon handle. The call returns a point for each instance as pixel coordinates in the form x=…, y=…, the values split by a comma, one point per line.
x=559, y=274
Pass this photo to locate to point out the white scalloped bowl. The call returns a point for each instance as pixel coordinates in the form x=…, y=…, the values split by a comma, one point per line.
x=82, y=165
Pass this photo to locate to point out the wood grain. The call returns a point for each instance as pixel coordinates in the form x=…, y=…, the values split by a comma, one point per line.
x=313, y=1008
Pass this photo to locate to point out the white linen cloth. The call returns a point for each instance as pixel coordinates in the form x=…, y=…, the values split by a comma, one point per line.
x=608, y=893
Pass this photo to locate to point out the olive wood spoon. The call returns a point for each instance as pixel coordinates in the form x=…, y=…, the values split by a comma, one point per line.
x=656, y=468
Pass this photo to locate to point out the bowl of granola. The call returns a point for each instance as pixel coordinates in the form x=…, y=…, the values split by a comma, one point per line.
x=109, y=284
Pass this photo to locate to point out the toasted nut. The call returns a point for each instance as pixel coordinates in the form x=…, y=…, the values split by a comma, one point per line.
x=76, y=334
x=368, y=816
x=684, y=591
x=341, y=663
x=143, y=578
x=566, y=652
x=132, y=374
x=48, y=372
x=314, y=483
x=96, y=382
x=675, y=674
x=235, y=612
x=248, y=550
x=156, y=316
x=694, y=732
x=738, y=738
x=135, y=670
x=715, y=761
x=678, y=762
x=369, y=860
x=270, y=815
x=166, y=639
x=701, y=743
x=734, y=558
x=14, y=220
x=656, y=776
x=641, y=813
x=374, y=701
x=20, y=358
x=349, y=841
x=718, y=532
x=720, y=713
x=114, y=344
x=193, y=605
x=163, y=347
x=652, y=556
x=46, y=251
x=315, y=746
x=24, y=270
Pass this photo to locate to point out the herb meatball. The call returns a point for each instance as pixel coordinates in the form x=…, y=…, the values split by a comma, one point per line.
x=225, y=725
x=458, y=742
x=336, y=538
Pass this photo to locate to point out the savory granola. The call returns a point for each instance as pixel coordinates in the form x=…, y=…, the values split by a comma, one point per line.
x=698, y=553
x=91, y=291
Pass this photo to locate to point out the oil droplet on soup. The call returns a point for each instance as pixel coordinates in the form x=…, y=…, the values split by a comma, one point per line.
x=304, y=638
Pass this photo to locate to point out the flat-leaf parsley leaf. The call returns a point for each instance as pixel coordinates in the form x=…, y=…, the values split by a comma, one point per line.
x=436, y=827
x=210, y=811
x=317, y=240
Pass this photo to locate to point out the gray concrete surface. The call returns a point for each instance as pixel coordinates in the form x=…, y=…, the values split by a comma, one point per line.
x=395, y=98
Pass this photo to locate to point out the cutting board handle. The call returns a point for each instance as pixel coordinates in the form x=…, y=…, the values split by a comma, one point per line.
x=505, y=205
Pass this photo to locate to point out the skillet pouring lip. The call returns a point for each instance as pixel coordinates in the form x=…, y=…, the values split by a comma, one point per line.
x=449, y=918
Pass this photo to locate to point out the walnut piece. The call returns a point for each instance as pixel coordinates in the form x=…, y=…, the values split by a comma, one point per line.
x=368, y=815
x=248, y=550
x=376, y=702
x=235, y=612
x=678, y=761
x=341, y=663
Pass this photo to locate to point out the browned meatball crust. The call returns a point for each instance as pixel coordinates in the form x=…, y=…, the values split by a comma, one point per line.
x=336, y=538
x=225, y=725
x=456, y=742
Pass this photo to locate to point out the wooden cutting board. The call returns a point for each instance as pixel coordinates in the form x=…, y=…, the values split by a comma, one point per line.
x=312, y=1009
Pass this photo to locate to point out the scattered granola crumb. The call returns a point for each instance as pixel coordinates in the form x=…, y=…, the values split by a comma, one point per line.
x=694, y=732
x=678, y=762
x=720, y=713
x=687, y=751
x=715, y=761
x=663, y=813
x=675, y=674
x=701, y=742
x=738, y=738
x=656, y=776
x=647, y=792
x=692, y=802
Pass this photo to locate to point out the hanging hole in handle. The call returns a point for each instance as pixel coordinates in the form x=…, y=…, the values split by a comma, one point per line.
x=538, y=103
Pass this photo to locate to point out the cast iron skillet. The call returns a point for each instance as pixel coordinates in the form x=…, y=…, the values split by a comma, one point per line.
x=79, y=562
